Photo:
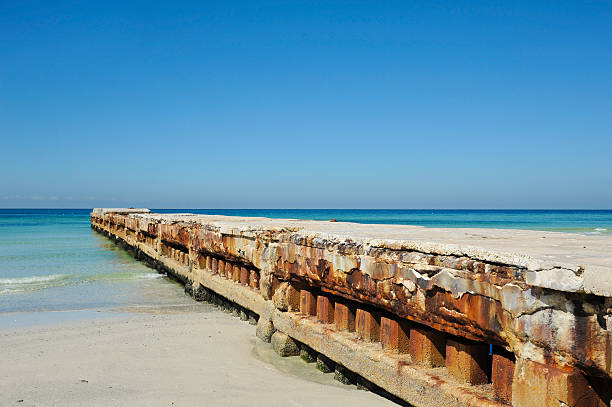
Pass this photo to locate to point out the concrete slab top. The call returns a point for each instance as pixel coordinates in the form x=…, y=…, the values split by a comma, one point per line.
x=584, y=259
x=101, y=211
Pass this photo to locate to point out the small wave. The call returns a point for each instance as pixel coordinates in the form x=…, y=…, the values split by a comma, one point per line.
x=150, y=275
x=11, y=290
x=123, y=276
x=599, y=231
x=33, y=279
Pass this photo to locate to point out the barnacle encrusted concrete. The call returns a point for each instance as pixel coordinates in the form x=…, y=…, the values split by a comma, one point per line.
x=544, y=298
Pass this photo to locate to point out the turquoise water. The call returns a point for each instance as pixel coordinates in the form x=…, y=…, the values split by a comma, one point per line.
x=53, y=261
x=50, y=260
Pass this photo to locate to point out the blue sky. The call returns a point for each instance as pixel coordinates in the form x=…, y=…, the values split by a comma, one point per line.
x=443, y=104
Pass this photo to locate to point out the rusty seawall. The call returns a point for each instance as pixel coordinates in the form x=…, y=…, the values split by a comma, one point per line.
x=440, y=317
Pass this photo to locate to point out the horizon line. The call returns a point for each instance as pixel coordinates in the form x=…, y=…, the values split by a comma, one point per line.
x=328, y=209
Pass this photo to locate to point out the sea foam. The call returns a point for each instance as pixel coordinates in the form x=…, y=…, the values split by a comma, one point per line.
x=33, y=279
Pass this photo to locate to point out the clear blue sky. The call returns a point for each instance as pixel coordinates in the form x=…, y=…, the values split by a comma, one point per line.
x=448, y=104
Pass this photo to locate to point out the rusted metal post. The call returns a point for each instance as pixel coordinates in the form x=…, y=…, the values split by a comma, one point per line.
x=344, y=317
x=502, y=374
x=308, y=303
x=253, y=279
x=221, y=268
x=235, y=270
x=367, y=326
x=467, y=361
x=427, y=346
x=394, y=335
x=325, y=310
x=244, y=275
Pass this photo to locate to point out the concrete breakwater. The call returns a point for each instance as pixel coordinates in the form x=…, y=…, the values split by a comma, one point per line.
x=448, y=317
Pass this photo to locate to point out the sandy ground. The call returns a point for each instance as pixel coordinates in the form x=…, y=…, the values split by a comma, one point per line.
x=182, y=356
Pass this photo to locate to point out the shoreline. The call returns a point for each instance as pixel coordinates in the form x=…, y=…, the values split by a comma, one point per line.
x=150, y=358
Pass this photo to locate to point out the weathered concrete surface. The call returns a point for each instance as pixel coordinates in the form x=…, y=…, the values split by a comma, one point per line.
x=546, y=297
x=394, y=373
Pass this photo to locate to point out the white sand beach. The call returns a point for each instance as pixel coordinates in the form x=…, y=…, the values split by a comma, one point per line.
x=174, y=356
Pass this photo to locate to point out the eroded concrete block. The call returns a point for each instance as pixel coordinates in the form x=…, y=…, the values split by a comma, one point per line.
x=308, y=354
x=343, y=375
x=286, y=298
x=325, y=364
x=284, y=345
x=265, y=329
x=536, y=384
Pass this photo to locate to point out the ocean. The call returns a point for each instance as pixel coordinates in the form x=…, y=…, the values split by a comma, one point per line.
x=51, y=261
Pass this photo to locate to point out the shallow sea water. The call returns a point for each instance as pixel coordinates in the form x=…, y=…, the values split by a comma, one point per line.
x=51, y=262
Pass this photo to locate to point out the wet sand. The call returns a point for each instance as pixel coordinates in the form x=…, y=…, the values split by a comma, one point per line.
x=151, y=356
